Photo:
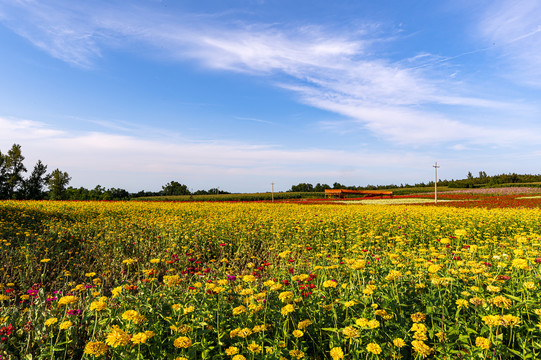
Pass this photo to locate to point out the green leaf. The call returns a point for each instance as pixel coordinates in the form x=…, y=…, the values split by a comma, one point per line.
x=330, y=329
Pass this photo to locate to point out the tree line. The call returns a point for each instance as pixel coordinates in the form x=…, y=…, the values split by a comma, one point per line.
x=40, y=185
x=483, y=180
x=37, y=186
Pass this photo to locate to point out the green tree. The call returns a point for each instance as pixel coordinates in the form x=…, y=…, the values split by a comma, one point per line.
x=4, y=190
x=15, y=168
x=302, y=187
x=35, y=184
x=175, y=188
x=57, y=183
x=321, y=187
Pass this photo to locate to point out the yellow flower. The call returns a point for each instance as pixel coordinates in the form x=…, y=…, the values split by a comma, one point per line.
x=461, y=303
x=128, y=261
x=350, y=303
x=369, y=290
x=287, y=309
x=373, y=348
x=350, y=332
x=337, y=353
x=399, y=342
x=65, y=325
x=51, y=321
x=253, y=347
x=45, y=260
x=372, y=324
x=139, y=338
x=238, y=357
x=362, y=322
x=234, y=332
x=304, y=324
x=155, y=261
x=330, y=284
x=421, y=348
x=520, y=264
x=510, y=320
x=98, y=305
x=297, y=354
x=4, y=297
x=259, y=328
x=243, y=333
x=248, y=278
x=239, y=310
x=476, y=301
x=501, y=302
x=482, y=342
x=441, y=336
x=418, y=317
x=419, y=327
x=116, y=291
x=117, y=337
x=95, y=348
x=183, y=342
x=297, y=333
x=492, y=320
x=393, y=275
x=90, y=274
x=188, y=309
x=66, y=300
x=285, y=296
x=232, y=350
x=130, y=315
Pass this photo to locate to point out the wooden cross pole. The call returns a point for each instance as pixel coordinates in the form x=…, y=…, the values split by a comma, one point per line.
x=435, y=182
x=272, y=194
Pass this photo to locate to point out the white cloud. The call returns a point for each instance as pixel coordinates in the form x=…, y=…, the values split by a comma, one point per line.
x=514, y=29
x=91, y=157
x=331, y=71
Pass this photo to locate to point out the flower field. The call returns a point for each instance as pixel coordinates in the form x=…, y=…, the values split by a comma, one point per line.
x=161, y=280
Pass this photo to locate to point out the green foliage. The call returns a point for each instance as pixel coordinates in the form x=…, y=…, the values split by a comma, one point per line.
x=234, y=197
x=35, y=184
x=11, y=173
x=175, y=188
x=57, y=183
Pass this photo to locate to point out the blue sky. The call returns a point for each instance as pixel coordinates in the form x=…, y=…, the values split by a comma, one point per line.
x=241, y=94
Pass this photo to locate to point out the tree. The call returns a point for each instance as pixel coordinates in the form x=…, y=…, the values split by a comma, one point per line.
x=34, y=185
x=302, y=187
x=337, y=185
x=175, y=188
x=57, y=183
x=4, y=190
x=15, y=167
x=321, y=187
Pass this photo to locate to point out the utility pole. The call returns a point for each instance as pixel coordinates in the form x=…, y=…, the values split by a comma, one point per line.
x=272, y=194
x=436, y=182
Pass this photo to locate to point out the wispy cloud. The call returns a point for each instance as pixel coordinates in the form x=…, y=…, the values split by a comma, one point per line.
x=94, y=156
x=253, y=120
x=514, y=29
x=338, y=72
